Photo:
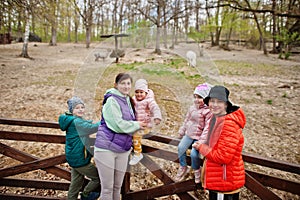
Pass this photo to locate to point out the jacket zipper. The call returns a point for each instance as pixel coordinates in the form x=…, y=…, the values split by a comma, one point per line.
x=224, y=172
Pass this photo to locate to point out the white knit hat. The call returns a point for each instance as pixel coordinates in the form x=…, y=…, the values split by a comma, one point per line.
x=141, y=84
x=203, y=90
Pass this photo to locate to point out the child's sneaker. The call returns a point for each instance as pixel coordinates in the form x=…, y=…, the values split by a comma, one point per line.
x=91, y=196
x=197, y=173
x=135, y=159
x=181, y=173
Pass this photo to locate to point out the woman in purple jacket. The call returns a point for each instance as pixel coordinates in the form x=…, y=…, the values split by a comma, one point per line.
x=114, y=137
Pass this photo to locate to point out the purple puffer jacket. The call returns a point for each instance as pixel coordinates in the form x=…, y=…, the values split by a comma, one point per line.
x=107, y=138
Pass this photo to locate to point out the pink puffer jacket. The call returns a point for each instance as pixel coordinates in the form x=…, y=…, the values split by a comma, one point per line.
x=147, y=109
x=196, y=123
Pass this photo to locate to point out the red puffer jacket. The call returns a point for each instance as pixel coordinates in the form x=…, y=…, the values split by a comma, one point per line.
x=224, y=168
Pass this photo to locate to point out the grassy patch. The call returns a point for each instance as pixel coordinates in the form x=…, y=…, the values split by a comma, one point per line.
x=247, y=69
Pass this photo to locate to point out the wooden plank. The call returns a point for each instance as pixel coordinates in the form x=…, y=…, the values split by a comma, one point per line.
x=24, y=157
x=126, y=183
x=114, y=35
x=272, y=163
x=156, y=170
x=163, y=154
x=159, y=173
x=162, y=138
x=38, y=184
x=36, y=137
x=9, y=196
x=179, y=188
x=248, y=157
x=33, y=123
x=33, y=165
x=259, y=189
x=275, y=182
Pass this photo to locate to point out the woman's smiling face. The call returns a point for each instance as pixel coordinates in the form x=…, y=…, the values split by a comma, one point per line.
x=124, y=86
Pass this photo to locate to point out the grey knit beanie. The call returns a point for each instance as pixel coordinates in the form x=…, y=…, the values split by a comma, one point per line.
x=74, y=101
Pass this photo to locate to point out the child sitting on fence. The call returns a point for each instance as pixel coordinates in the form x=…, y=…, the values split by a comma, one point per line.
x=146, y=110
x=77, y=154
x=194, y=128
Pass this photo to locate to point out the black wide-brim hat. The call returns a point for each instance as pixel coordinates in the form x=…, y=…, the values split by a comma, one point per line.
x=218, y=92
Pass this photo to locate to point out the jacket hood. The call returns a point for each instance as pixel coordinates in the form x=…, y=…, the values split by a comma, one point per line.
x=238, y=117
x=65, y=120
x=150, y=94
x=113, y=91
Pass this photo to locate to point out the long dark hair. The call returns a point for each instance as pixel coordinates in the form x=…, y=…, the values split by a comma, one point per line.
x=123, y=76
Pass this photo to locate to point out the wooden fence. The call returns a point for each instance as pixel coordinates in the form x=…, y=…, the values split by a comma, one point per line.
x=257, y=183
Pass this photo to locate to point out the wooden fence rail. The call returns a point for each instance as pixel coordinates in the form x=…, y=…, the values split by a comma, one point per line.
x=256, y=182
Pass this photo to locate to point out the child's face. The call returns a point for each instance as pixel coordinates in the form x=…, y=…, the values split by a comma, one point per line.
x=140, y=95
x=198, y=100
x=79, y=110
x=217, y=107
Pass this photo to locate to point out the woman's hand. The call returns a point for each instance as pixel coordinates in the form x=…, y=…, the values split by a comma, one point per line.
x=143, y=125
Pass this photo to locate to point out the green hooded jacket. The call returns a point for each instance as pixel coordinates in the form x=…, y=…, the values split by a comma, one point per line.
x=77, y=138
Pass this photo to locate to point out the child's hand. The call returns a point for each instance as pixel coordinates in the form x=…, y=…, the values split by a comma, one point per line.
x=180, y=136
x=143, y=125
x=196, y=145
x=157, y=121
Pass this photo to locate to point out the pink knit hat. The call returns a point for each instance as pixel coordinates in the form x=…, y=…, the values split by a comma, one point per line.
x=202, y=90
x=141, y=84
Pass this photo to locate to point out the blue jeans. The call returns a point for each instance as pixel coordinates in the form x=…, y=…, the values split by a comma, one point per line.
x=183, y=146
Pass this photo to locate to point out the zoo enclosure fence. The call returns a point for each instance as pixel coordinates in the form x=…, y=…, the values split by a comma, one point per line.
x=258, y=183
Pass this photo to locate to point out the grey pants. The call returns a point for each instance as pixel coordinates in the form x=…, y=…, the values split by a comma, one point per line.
x=111, y=168
x=77, y=179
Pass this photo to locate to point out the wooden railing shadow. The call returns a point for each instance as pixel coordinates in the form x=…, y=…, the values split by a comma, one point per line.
x=256, y=182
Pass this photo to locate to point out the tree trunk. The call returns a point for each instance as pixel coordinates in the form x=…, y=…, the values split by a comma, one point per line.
x=218, y=27
x=88, y=36
x=274, y=32
x=24, y=53
x=53, y=36
x=228, y=38
x=157, y=45
x=209, y=22
x=76, y=25
x=263, y=43
x=186, y=19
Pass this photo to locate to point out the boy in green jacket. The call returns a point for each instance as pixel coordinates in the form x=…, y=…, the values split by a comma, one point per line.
x=78, y=156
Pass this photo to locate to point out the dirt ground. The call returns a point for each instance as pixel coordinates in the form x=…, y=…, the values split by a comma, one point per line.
x=267, y=88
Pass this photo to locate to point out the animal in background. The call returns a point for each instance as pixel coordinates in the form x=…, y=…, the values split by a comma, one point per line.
x=102, y=54
x=191, y=57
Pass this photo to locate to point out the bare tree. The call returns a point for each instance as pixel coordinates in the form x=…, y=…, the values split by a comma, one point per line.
x=158, y=6
x=27, y=31
x=284, y=13
x=262, y=39
x=86, y=11
x=24, y=5
x=87, y=16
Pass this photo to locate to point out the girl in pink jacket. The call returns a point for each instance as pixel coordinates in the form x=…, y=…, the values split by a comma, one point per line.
x=194, y=128
x=147, y=110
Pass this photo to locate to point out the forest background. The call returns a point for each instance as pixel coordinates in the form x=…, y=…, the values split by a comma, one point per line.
x=250, y=21
x=267, y=87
